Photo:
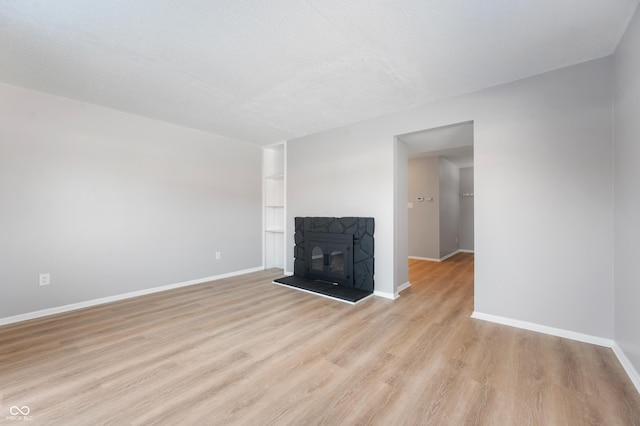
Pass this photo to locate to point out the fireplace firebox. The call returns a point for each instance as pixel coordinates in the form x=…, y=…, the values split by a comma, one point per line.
x=334, y=257
x=331, y=258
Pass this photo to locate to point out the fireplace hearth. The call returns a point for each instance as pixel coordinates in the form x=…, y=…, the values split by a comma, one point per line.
x=334, y=257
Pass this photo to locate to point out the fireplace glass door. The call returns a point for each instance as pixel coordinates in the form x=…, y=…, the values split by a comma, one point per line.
x=330, y=258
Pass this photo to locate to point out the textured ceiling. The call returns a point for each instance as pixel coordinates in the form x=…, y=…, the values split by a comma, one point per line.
x=265, y=71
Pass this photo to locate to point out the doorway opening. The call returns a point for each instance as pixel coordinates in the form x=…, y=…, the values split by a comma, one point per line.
x=439, y=206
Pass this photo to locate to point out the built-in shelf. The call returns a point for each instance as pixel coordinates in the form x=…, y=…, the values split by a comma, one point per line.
x=274, y=205
x=275, y=177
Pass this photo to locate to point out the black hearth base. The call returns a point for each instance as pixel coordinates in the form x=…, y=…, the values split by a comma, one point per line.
x=346, y=294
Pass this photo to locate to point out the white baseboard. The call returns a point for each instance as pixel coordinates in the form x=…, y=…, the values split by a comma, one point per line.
x=288, y=273
x=402, y=287
x=587, y=338
x=108, y=299
x=433, y=259
x=384, y=294
x=453, y=253
x=627, y=365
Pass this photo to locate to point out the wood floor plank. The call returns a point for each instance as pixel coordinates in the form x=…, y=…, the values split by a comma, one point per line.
x=244, y=351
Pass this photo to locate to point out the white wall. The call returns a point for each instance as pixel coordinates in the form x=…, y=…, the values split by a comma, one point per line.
x=466, y=209
x=627, y=199
x=449, y=182
x=424, y=216
x=111, y=203
x=543, y=192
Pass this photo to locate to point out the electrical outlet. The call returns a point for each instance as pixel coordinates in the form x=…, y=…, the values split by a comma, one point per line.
x=45, y=279
x=217, y=255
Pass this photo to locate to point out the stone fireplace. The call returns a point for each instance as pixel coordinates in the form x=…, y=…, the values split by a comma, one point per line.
x=334, y=256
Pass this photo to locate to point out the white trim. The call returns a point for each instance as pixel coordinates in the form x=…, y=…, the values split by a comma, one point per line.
x=323, y=295
x=402, y=287
x=288, y=273
x=109, y=299
x=424, y=258
x=587, y=338
x=432, y=259
x=453, y=253
x=627, y=365
x=385, y=294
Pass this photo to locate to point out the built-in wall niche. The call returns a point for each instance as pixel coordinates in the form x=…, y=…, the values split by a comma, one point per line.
x=274, y=205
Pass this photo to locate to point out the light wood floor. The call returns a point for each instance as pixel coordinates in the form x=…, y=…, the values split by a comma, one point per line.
x=244, y=351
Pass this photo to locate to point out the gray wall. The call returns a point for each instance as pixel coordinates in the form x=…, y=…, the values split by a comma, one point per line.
x=542, y=155
x=434, y=227
x=449, y=182
x=627, y=200
x=111, y=203
x=466, y=209
x=401, y=220
x=336, y=174
x=424, y=217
